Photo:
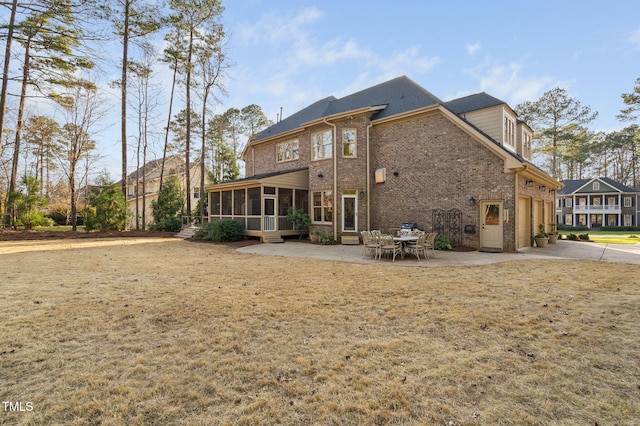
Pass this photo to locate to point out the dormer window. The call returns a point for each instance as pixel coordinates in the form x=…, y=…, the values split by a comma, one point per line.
x=509, y=134
x=526, y=145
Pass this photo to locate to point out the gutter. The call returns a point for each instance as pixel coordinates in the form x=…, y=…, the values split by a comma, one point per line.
x=335, y=178
x=368, y=194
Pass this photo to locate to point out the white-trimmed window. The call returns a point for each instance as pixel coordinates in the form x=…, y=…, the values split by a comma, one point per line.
x=627, y=220
x=322, y=206
x=349, y=143
x=627, y=202
x=196, y=192
x=509, y=131
x=526, y=149
x=596, y=186
x=321, y=145
x=568, y=219
x=287, y=151
x=568, y=202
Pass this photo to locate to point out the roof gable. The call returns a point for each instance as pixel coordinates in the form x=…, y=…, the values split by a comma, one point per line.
x=585, y=186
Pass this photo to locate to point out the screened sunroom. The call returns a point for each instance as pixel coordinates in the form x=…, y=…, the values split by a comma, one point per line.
x=261, y=202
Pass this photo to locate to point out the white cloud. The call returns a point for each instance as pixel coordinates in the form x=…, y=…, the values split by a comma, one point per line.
x=506, y=82
x=275, y=28
x=472, y=49
x=329, y=53
x=634, y=38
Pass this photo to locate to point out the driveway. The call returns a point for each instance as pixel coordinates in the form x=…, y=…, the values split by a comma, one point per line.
x=599, y=252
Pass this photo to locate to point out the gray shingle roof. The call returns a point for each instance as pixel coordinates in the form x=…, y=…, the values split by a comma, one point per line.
x=571, y=186
x=472, y=103
x=398, y=95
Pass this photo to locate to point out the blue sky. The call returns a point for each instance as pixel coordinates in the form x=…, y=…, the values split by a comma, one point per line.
x=289, y=54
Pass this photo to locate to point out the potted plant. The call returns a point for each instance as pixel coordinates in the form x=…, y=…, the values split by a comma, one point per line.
x=314, y=236
x=541, y=237
x=553, y=235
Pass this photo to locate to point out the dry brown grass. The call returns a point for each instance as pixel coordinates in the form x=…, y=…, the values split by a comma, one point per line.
x=151, y=331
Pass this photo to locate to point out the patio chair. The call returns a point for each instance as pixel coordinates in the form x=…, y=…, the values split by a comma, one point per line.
x=418, y=247
x=369, y=243
x=430, y=243
x=389, y=246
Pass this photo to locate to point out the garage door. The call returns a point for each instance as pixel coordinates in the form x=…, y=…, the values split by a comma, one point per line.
x=524, y=222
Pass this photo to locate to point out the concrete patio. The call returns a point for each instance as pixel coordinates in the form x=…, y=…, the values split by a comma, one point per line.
x=564, y=249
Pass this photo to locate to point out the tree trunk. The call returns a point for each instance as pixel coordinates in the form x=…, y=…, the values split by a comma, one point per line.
x=123, y=92
x=19, y=122
x=188, y=133
x=166, y=134
x=3, y=93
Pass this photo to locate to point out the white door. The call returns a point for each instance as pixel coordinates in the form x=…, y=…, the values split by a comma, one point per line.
x=269, y=215
x=491, y=225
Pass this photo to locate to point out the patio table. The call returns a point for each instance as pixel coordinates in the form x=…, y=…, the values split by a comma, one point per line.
x=403, y=240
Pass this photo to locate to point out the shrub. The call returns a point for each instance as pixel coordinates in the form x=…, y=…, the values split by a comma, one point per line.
x=442, y=243
x=108, y=208
x=621, y=228
x=325, y=238
x=219, y=231
x=572, y=237
x=28, y=204
x=572, y=228
x=298, y=218
x=583, y=237
x=168, y=207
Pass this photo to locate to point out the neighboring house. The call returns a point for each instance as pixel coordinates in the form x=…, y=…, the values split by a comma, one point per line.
x=174, y=166
x=391, y=154
x=597, y=202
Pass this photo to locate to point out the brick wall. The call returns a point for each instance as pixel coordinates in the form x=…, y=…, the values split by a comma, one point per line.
x=439, y=167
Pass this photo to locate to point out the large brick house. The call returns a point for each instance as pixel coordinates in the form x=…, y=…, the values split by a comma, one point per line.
x=391, y=154
x=597, y=202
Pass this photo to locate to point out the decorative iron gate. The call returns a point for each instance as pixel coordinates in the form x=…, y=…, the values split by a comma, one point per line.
x=448, y=224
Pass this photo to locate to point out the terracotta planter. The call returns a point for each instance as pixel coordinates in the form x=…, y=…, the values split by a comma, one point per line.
x=553, y=238
x=541, y=242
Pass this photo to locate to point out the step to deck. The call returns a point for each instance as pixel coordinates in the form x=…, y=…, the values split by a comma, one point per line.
x=270, y=239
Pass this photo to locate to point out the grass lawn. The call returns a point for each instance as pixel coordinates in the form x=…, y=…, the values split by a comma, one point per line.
x=165, y=331
x=609, y=237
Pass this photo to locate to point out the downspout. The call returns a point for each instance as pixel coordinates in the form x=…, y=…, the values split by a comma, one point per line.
x=335, y=178
x=368, y=194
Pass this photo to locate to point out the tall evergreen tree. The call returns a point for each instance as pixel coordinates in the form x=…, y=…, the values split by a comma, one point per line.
x=632, y=100
x=191, y=17
x=132, y=19
x=41, y=133
x=554, y=116
x=48, y=37
x=211, y=65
